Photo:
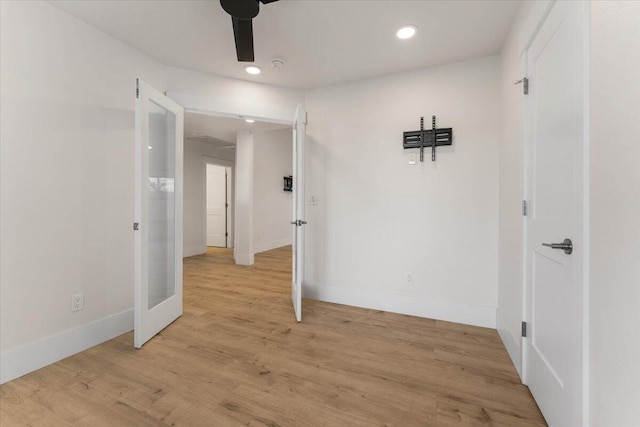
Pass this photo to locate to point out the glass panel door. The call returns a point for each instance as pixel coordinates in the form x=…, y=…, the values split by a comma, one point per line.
x=298, y=221
x=158, y=223
x=162, y=206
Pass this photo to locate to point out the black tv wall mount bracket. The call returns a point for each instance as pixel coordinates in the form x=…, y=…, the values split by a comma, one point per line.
x=427, y=138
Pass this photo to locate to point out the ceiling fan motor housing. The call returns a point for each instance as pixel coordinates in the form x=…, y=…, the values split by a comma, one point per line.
x=241, y=9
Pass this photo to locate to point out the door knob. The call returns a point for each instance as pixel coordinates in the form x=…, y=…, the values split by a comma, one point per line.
x=566, y=246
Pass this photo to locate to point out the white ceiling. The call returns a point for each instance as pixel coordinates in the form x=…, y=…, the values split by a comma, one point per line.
x=322, y=41
x=221, y=131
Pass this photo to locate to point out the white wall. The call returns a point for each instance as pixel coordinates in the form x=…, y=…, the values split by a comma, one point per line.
x=378, y=218
x=272, y=161
x=244, y=199
x=67, y=183
x=510, y=223
x=194, y=218
x=615, y=214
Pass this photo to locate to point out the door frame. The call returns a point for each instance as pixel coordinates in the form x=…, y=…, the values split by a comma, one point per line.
x=531, y=27
x=227, y=164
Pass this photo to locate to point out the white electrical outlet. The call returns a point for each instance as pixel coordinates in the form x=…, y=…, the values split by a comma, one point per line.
x=408, y=278
x=77, y=302
x=313, y=199
x=413, y=159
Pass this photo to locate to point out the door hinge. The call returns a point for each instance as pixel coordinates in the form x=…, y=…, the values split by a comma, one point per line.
x=525, y=85
x=524, y=208
x=306, y=118
x=136, y=226
x=524, y=329
x=226, y=234
x=137, y=88
x=226, y=205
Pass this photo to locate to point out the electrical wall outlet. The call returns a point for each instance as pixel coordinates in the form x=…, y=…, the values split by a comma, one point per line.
x=408, y=278
x=413, y=159
x=313, y=199
x=77, y=302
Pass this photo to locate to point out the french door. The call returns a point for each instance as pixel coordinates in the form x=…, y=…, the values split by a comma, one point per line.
x=158, y=212
x=298, y=221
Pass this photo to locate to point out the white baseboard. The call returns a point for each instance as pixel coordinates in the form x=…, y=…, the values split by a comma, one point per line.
x=244, y=259
x=263, y=247
x=468, y=314
x=194, y=250
x=510, y=342
x=23, y=360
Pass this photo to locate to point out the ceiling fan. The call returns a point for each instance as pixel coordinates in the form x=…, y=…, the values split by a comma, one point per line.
x=242, y=12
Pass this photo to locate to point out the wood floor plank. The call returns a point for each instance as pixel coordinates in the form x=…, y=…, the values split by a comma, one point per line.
x=237, y=357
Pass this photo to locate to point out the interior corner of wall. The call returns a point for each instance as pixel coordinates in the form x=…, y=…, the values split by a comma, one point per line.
x=512, y=343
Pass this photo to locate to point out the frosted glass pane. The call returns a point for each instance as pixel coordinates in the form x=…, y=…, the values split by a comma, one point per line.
x=162, y=220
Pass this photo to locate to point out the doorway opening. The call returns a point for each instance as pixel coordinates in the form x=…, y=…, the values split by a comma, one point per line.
x=245, y=204
x=294, y=121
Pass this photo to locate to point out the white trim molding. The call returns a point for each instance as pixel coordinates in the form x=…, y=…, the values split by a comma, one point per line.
x=31, y=357
x=267, y=246
x=586, y=224
x=467, y=314
x=194, y=250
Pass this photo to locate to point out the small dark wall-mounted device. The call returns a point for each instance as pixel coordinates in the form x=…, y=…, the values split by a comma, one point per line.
x=288, y=183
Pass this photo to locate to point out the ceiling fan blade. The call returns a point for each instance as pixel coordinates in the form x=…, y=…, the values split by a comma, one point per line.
x=243, y=33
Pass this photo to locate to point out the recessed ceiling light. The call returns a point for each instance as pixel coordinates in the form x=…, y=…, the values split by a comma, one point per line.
x=249, y=120
x=406, y=32
x=252, y=69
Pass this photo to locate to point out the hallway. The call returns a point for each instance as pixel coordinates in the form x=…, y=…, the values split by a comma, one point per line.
x=236, y=357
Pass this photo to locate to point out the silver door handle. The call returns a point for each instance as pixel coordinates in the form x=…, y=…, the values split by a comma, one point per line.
x=299, y=222
x=566, y=246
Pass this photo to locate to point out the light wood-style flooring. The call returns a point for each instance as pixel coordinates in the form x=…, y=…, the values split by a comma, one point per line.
x=237, y=358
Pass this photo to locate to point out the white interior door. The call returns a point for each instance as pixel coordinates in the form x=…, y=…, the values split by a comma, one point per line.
x=298, y=222
x=553, y=352
x=216, y=206
x=158, y=213
x=230, y=207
